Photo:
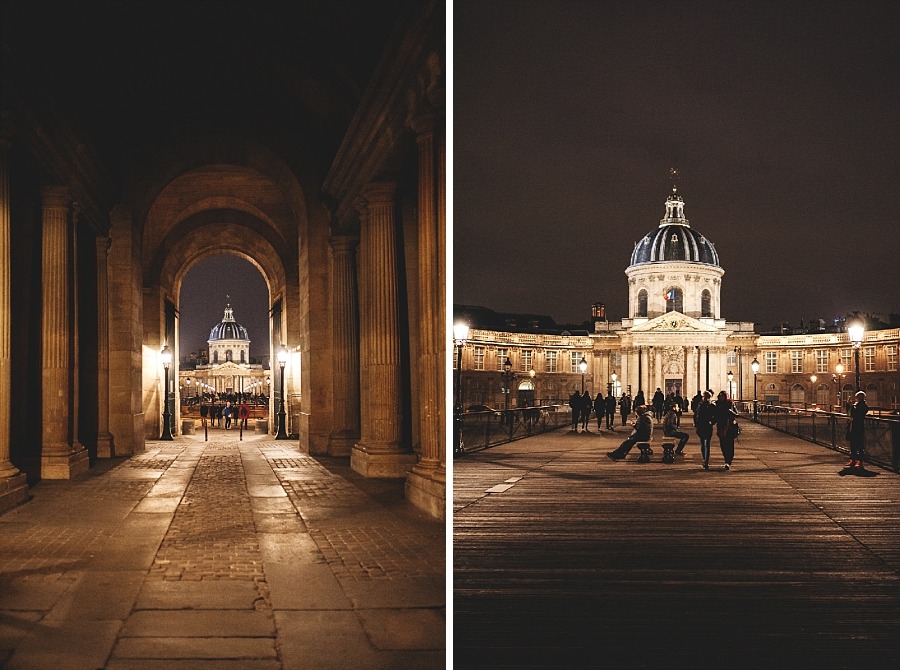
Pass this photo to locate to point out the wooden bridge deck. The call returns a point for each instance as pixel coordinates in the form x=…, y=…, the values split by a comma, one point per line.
x=563, y=558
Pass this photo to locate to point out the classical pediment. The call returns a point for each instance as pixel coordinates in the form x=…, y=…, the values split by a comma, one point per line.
x=674, y=322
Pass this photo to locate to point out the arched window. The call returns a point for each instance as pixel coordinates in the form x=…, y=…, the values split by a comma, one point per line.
x=706, y=303
x=228, y=355
x=798, y=394
x=642, y=303
x=215, y=357
x=243, y=355
x=674, y=300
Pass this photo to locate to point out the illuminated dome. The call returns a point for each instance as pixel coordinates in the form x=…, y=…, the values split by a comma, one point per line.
x=674, y=240
x=228, y=329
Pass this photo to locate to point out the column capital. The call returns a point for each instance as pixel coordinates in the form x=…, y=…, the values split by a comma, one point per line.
x=343, y=242
x=380, y=192
x=422, y=124
x=55, y=196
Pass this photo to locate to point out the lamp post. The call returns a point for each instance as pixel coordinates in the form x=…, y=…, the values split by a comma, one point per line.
x=166, y=357
x=460, y=334
x=582, y=365
x=730, y=376
x=856, y=329
x=754, y=365
x=532, y=374
x=507, y=374
x=612, y=384
x=812, y=381
x=282, y=359
x=838, y=378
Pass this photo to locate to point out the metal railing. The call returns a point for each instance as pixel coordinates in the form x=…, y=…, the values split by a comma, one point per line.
x=830, y=430
x=480, y=430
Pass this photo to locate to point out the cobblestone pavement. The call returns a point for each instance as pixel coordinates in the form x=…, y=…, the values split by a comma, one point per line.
x=244, y=554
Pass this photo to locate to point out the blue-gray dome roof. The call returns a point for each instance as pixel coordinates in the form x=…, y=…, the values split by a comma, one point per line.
x=674, y=240
x=228, y=329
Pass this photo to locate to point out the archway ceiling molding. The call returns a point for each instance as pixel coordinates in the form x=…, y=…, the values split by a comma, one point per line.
x=219, y=187
x=220, y=238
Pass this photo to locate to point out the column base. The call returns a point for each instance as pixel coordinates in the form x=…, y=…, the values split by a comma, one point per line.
x=380, y=463
x=13, y=490
x=427, y=490
x=65, y=466
x=105, y=448
x=341, y=444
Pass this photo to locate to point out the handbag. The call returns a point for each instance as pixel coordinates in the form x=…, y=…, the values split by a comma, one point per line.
x=734, y=429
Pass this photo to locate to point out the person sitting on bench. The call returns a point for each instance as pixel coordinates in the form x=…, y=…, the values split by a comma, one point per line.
x=670, y=427
x=642, y=431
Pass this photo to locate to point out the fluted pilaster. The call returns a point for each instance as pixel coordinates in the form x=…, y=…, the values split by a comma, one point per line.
x=105, y=447
x=61, y=456
x=13, y=489
x=378, y=452
x=345, y=325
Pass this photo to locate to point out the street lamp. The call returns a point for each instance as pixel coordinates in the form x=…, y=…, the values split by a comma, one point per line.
x=730, y=376
x=582, y=365
x=754, y=365
x=531, y=374
x=166, y=357
x=612, y=384
x=282, y=359
x=507, y=374
x=856, y=329
x=460, y=334
x=812, y=380
x=838, y=378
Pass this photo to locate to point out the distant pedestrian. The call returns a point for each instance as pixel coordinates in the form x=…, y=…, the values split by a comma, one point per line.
x=599, y=410
x=704, y=420
x=227, y=412
x=659, y=401
x=624, y=407
x=695, y=402
x=611, y=411
x=575, y=404
x=639, y=399
x=857, y=432
x=642, y=432
x=587, y=406
x=726, y=427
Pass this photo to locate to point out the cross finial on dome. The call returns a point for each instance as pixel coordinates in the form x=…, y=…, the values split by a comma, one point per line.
x=674, y=174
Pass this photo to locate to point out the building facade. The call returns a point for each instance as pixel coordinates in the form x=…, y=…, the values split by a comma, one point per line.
x=675, y=339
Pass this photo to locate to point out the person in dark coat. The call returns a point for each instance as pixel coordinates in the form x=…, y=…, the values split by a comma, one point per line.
x=659, y=401
x=611, y=411
x=726, y=430
x=704, y=420
x=624, y=407
x=695, y=402
x=575, y=404
x=599, y=410
x=639, y=399
x=587, y=405
x=670, y=427
x=858, y=412
x=642, y=432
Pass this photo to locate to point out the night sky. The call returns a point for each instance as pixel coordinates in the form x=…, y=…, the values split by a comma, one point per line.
x=783, y=119
x=203, y=299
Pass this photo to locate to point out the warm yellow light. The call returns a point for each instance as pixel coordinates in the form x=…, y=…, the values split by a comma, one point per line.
x=754, y=365
x=460, y=331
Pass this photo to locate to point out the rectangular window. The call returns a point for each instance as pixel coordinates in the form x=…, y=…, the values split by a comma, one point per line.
x=615, y=360
x=869, y=359
x=891, y=352
x=796, y=361
x=576, y=359
x=525, y=360
x=771, y=361
x=731, y=359
x=502, y=353
x=479, y=358
x=847, y=359
x=821, y=360
x=550, y=361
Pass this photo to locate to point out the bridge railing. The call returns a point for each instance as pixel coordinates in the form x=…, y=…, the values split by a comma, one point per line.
x=829, y=429
x=480, y=430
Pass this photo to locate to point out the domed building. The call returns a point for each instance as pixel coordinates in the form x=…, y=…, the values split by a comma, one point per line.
x=227, y=370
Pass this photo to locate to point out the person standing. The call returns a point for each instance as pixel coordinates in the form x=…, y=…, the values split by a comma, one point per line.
x=695, y=402
x=670, y=427
x=611, y=411
x=704, y=420
x=726, y=428
x=586, y=406
x=624, y=407
x=858, y=412
x=599, y=410
x=642, y=432
x=639, y=399
x=658, y=401
x=575, y=404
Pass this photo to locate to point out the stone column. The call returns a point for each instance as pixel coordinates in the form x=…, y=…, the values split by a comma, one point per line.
x=105, y=447
x=426, y=484
x=379, y=452
x=345, y=323
x=13, y=488
x=62, y=457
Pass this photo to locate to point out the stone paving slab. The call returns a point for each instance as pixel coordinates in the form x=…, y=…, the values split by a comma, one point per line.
x=193, y=664
x=199, y=623
x=421, y=629
x=65, y=645
x=195, y=647
x=98, y=596
x=305, y=587
x=214, y=594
